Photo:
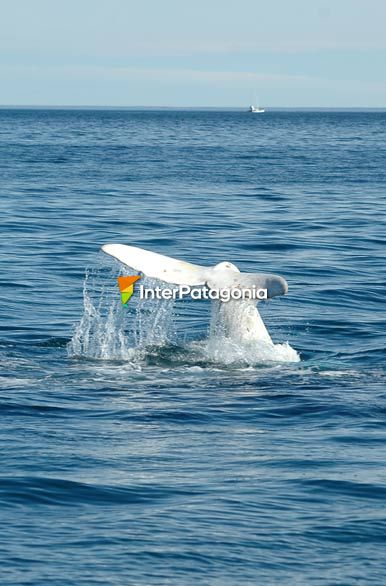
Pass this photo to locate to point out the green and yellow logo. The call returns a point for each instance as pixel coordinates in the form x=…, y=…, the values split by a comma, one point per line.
x=126, y=287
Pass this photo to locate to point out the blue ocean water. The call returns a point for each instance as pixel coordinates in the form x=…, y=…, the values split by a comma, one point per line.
x=169, y=464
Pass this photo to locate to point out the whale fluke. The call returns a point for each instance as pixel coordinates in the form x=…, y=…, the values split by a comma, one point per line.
x=157, y=266
x=240, y=318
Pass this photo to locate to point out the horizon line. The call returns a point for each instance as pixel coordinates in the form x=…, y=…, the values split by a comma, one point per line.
x=237, y=108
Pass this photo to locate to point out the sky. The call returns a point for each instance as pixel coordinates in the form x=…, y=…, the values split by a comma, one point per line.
x=196, y=53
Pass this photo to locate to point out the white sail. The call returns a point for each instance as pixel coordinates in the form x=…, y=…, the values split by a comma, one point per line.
x=256, y=110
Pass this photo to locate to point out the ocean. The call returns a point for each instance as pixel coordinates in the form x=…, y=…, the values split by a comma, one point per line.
x=136, y=447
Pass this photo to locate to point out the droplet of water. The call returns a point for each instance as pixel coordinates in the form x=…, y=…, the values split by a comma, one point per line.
x=110, y=331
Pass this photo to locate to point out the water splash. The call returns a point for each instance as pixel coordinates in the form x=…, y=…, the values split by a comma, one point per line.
x=225, y=351
x=110, y=331
x=100, y=333
x=222, y=349
x=145, y=330
x=154, y=324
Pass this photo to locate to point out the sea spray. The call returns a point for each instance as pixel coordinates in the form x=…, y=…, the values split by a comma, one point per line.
x=154, y=324
x=221, y=349
x=109, y=330
x=100, y=333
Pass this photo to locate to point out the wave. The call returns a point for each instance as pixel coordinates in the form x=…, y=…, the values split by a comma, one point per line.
x=58, y=491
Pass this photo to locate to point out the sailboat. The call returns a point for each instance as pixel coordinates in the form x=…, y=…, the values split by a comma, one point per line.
x=256, y=110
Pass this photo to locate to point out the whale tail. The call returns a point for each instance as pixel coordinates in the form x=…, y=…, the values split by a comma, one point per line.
x=240, y=318
x=157, y=266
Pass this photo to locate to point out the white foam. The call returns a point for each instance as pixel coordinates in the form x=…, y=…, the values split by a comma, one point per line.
x=225, y=351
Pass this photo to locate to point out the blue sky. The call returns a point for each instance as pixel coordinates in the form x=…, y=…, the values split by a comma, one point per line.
x=193, y=53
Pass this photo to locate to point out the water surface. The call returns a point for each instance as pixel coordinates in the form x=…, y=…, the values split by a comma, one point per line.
x=175, y=466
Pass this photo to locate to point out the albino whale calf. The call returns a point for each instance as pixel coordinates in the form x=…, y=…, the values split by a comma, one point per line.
x=239, y=318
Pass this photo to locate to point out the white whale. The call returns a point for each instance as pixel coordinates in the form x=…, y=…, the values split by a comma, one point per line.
x=240, y=319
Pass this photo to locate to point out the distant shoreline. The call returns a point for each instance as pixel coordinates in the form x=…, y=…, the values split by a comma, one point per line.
x=199, y=108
